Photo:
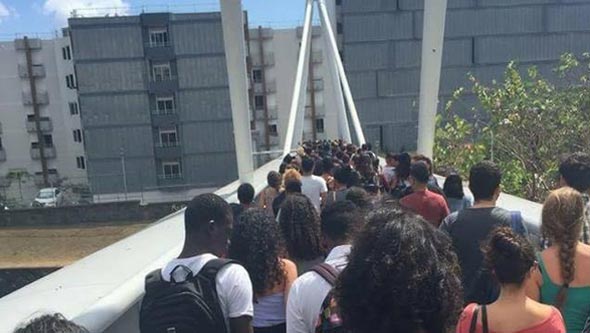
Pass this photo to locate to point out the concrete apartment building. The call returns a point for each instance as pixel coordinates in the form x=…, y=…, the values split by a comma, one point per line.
x=154, y=102
x=382, y=52
x=273, y=55
x=41, y=140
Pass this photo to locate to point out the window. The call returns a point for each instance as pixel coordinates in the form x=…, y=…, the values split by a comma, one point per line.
x=48, y=140
x=31, y=118
x=158, y=37
x=80, y=162
x=171, y=170
x=1, y=146
x=338, y=2
x=161, y=72
x=339, y=28
x=70, y=82
x=259, y=102
x=319, y=125
x=164, y=105
x=257, y=75
x=168, y=138
x=272, y=130
x=66, y=52
x=77, y=135
x=74, y=108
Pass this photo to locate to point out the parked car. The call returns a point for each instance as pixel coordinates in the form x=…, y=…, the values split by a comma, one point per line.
x=48, y=197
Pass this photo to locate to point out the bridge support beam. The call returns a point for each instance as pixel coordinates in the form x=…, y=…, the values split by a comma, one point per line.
x=232, y=19
x=432, y=52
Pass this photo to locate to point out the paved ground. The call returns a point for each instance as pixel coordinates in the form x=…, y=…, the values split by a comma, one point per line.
x=57, y=247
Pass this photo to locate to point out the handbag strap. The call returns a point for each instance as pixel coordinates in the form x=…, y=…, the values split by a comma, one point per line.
x=473, y=325
x=484, y=319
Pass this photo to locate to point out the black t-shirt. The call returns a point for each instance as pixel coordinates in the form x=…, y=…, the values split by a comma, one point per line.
x=469, y=229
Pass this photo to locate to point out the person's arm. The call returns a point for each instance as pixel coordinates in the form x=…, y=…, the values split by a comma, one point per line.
x=290, y=277
x=238, y=296
x=241, y=324
x=323, y=192
x=445, y=211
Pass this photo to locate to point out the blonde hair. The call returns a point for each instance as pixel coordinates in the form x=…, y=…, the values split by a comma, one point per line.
x=291, y=174
x=562, y=221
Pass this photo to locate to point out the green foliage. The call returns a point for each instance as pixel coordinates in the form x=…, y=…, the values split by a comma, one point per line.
x=525, y=122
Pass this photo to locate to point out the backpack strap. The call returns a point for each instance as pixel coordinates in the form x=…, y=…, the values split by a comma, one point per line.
x=327, y=272
x=473, y=325
x=517, y=224
x=153, y=280
x=211, y=268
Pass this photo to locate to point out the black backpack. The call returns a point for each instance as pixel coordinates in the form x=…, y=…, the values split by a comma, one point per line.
x=189, y=306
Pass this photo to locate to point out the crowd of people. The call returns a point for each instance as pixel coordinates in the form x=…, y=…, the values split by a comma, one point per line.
x=338, y=242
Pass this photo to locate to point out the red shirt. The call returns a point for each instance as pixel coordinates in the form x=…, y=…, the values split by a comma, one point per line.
x=431, y=206
x=552, y=324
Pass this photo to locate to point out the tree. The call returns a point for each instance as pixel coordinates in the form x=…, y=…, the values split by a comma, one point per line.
x=525, y=122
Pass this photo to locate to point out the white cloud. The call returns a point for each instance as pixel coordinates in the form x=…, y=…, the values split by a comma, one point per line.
x=6, y=11
x=63, y=9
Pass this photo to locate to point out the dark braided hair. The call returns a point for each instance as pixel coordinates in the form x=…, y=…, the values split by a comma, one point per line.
x=300, y=225
x=563, y=217
x=402, y=276
x=256, y=243
x=509, y=255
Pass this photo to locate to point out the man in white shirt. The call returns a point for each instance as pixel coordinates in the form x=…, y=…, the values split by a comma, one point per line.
x=208, y=224
x=389, y=169
x=340, y=221
x=313, y=187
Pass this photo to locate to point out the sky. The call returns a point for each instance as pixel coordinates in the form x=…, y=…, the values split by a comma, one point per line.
x=44, y=17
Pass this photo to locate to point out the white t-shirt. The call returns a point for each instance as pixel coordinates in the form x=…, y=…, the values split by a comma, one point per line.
x=308, y=293
x=388, y=173
x=234, y=287
x=312, y=186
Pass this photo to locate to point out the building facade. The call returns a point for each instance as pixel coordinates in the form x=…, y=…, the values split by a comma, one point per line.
x=382, y=52
x=41, y=141
x=272, y=64
x=154, y=102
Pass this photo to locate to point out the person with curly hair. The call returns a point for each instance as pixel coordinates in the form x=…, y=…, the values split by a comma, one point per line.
x=402, y=276
x=256, y=243
x=268, y=195
x=299, y=222
x=562, y=278
x=512, y=259
x=55, y=323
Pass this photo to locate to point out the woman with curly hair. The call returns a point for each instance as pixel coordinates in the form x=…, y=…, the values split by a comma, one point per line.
x=511, y=258
x=402, y=277
x=256, y=243
x=562, y=279
x=299, y=222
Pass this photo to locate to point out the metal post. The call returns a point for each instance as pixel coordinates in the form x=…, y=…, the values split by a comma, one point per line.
x=327, y=25
x=124, y=169
x=232, y=19
x=432, y=51
x=295, y=123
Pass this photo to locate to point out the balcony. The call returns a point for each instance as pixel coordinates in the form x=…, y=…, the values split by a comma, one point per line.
x=317, y=57
x=170, y=180
x=159, y=51
x=34, y=44
x=38, y=71
x=271, y=87
x=269, y=60
x=42, y=98
x=168, y=151
x=2, y=155
x=267, y=33
x=45, y=125
x=318, y=85
x=163, y=84
x=49, y=152
x=164, y=118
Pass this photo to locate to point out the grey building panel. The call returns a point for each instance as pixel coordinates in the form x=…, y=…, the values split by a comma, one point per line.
x=489, y=21
x=457, y=52
x=381, y=110
x=215, y=169
x=198, y=137
x=85, y=22
x=213, y=16
x=401, y=82
x=106, y=176
x=367, y=56
x=202, y=72
x=378, y=27
x=197, y=37
x=419, y=4
x=363, y=84
x=111, y=76
x=107, y=43
x=107, y=142
x=115, y=109
x=527, y=48
x=205, y=105
x=453, y=78
x=492, y=3
x=568, y=18
x=356, y=6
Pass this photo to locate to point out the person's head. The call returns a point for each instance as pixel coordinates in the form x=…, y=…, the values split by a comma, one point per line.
x=402, y=276
x=318, y=169
x=341, y=176
x=273, y=179
x=484, y=181
x=55, y=323
x=246, y=194
x=256, y=244
x=575, y=172
x=327, y=166
x=340, y=222
x=403, y=167
x=300, y=226
x=290, y=175
x=392, y=159
x=510, y=257
x=425, y=159
x=419, y=174
x=453, y=187
x=562, y=221
x=307, y=165
x=359, y=197
x=208, y=222
x=293, y=186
